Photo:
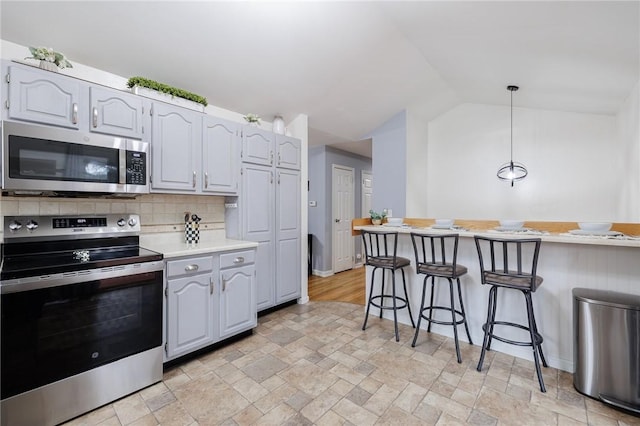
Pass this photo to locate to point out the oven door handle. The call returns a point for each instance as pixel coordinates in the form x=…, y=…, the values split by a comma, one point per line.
x=57, y=280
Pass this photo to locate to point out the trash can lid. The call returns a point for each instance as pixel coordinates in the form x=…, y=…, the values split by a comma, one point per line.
x=609, y=298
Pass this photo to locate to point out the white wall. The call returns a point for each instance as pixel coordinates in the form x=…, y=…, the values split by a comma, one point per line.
x=628, y=121
x=417, y=176
x=388, y=150
x=576, y=163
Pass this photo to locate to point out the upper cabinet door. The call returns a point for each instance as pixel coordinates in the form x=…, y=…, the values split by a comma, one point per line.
x=44, y=97
x=176, y=136
x=288, y=152
x=257, y=146
x=115, y=113
x=220, y=163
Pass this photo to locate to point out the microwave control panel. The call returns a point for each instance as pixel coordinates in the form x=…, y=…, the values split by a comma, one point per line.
x=136, y=168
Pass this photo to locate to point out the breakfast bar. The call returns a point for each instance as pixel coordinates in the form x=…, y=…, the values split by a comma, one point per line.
x=568, y=259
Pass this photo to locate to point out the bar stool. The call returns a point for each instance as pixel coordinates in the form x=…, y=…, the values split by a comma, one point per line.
x=436, y=257
x=380, y=248
x=501, y=266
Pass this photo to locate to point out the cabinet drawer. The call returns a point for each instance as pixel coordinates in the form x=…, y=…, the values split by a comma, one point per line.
x=191, y=266
x=237, y=258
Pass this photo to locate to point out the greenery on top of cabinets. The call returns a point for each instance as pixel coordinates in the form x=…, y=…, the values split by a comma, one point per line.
x=164, y=88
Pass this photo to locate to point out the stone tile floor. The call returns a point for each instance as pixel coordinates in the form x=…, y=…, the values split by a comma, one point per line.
x=312, y=364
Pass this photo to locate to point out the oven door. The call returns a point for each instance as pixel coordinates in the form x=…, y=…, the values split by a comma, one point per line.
x=38, y=158
x=52, y=333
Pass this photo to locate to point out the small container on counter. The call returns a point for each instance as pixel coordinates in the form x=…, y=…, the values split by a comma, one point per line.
x=191, y=228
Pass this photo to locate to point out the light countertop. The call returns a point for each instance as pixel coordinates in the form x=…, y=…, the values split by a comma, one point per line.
x=172, y=244
x=564, y=237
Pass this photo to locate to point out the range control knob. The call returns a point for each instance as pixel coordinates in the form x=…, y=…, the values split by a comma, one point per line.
x=121, y=222
x=14, y=225
x=32, y=225
x=133, y=221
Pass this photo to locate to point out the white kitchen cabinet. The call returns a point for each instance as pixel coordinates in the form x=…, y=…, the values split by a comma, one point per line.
x=115, y=113
x=43, y=97
x=288, y=152
x=269, y=206
x=176, y=143
x=237, y=293
x=220, y=162
x=190, y=306
x=257, y=146
x=287, y=235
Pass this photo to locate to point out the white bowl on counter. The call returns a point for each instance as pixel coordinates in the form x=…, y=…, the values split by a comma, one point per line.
x=511, y=224
x=394, y=221
x=595, y=226
x=444, y=223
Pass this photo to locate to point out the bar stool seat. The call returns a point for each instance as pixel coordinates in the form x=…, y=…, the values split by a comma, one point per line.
x=380, y=249
x=511, y=264
x=436, y=257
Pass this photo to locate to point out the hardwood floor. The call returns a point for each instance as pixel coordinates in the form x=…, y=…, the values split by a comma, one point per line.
x=347, y=286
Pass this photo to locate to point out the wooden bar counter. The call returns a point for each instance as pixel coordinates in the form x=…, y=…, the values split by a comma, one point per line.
x=566, y=261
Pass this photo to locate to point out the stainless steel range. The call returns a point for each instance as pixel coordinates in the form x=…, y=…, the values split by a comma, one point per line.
x=81, y=315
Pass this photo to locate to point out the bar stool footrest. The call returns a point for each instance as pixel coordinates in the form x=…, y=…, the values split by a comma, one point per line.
x=382, y=296
x=442, y=308
x=538, y=337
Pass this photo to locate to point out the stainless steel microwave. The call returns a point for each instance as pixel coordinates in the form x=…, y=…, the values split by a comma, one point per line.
x=53, y=160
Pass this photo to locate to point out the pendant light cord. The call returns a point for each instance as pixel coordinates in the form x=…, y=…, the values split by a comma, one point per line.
x=511, y=126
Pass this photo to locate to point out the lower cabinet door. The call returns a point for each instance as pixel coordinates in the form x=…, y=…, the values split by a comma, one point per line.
x=237, y=300
x=190, y=314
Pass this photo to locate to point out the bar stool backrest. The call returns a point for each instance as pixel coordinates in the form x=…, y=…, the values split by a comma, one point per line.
x=509, y=262
x=379, y=245
x=435, y=249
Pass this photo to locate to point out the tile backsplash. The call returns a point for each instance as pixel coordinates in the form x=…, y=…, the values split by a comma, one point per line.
x=158, y=212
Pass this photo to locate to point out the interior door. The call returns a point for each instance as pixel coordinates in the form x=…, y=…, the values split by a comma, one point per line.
x=343, y=212
x=367, y=193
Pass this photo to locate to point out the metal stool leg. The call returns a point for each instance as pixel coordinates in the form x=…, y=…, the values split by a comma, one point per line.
x=393, y=299
x=464, y=315
x=406, y=296
x=382, y=292
x=534, y=339
x=420, y=314
x=366, y=315
x=535, y=326
x=453, y=320
x=493, y=315
x=486, y=328
x=433, y=290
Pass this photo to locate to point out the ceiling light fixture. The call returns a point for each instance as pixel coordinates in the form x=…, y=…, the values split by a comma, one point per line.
x=512, y=171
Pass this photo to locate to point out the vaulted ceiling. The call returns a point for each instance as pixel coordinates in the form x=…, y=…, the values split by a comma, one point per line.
x=352, y=65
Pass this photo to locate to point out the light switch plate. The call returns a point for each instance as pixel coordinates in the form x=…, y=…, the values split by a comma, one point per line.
x=313, y=203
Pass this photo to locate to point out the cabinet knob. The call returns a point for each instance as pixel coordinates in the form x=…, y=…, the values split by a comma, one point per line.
x=194, y=179
x=95, y=117
x=191, y=268
x=238, y=259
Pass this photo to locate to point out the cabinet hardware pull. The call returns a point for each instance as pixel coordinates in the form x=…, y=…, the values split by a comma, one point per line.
x=211, y=285
x=279, y=159
x=238, y=259
x=206, y=180
x=278, y=178
x=224, y=285
x=271, y=180
x=191, y=268
x=270, y=157
x=74, y=115
x=194, y=179
x=95, y=117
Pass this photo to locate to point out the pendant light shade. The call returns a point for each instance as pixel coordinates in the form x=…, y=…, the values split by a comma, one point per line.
x=512, y=171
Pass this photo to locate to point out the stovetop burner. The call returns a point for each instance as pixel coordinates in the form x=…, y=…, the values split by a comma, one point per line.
x=72, y=243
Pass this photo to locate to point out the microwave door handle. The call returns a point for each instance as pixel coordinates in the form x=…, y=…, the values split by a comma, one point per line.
x=123, y=166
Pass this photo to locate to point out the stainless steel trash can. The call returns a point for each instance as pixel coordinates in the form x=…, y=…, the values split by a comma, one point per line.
x=606, y=347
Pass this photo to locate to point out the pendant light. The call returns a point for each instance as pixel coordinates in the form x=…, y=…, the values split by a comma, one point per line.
x=512, y=171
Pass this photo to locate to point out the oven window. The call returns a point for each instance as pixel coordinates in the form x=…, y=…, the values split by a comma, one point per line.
x=31, y=158
x=53, y=333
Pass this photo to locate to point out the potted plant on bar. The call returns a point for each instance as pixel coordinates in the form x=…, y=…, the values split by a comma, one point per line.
x=376, y=218
x=50, y=60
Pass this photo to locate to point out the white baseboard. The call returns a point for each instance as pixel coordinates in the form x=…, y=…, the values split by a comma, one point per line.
x=358, y=265
x=303, y=300
x=322, y=274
